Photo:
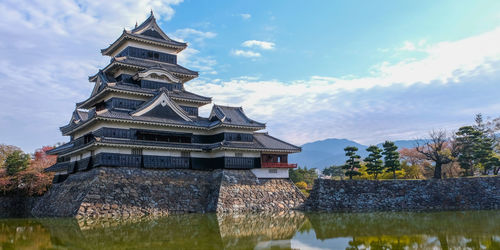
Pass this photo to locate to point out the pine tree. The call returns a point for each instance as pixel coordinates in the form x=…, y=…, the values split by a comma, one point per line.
x=476, y=147
x=17, y=161
x=334, y=171
x=374, y=163
x=467, y=141
x=391, y=158
x=352, y=163
x=486, y=143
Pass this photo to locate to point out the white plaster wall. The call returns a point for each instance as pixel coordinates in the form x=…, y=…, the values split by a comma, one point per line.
x=79, y=156
x=113, y=150
x=207, y=154
x=161, y=152
x=267, y=172
x=221, y=153
x=244, y=154
x=120, y=150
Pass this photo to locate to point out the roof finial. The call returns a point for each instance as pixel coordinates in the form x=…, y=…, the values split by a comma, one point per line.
x=136, y=24
x=152, y=12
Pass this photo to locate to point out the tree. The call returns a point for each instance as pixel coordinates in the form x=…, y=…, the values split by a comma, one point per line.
x=6, y=150
x=412, y=156
x=16, y=162
x=374, y=163
x=334, y=171
x=416, y=162
x=410, y=171
x=486, y=145
x=303, y=174
x=467, y=140
x=352, y=163
x=42, y=160
x=476, y=147
x=391, y=157
x=438, y=149
x=23, y=176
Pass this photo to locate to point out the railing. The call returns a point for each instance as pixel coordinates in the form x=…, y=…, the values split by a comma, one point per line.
x=239, y=162
x=278, y=165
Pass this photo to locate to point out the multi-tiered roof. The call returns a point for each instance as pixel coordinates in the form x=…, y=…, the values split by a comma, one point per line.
x=139, y=103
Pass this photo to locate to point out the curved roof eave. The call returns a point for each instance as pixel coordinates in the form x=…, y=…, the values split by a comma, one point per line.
x=128, y=36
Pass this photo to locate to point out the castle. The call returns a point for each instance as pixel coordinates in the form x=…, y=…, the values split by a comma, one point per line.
x=140, y=115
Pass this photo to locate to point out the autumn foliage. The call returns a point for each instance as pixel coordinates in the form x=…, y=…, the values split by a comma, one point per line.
x=30, y=180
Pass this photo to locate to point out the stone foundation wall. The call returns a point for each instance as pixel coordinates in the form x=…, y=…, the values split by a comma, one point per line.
x=241, y=191
x=16, y=206
x=405, y=195
x=134, y=192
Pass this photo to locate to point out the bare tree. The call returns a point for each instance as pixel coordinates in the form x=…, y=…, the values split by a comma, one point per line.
x=438, y=149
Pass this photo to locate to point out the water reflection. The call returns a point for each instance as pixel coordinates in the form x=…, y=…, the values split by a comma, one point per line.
x=446, y=230
x=290, y=230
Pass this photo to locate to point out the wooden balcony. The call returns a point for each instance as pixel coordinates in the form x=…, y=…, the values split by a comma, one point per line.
x=278, y=165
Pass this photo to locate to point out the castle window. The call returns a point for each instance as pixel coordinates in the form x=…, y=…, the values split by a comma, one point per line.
x=100, y=106
x=273, y=171
x=137, y=151
x=238, y=154
x=185, y=154
x=87, y=138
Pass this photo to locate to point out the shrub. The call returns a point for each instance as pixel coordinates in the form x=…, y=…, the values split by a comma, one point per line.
x=301, y=185
x=23, y=176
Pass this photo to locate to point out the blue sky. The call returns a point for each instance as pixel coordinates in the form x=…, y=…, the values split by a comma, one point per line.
x=362, y=70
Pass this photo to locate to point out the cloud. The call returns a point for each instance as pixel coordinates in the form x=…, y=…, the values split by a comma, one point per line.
x=412, y=46
x=245, y=16
x=48, y=49
x=190, y=57
x=305, y=110
x=409, y=46
x=196, y=35
x=258, y=44
x=252, y=44
x=397, y=100
x=245, y=53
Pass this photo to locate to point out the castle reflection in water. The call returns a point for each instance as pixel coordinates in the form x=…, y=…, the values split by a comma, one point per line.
x=287, y=230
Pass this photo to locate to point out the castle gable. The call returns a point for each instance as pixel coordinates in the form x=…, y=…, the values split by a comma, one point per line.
x=162, y=106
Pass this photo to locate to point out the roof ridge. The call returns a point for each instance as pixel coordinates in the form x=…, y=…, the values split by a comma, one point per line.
x=225, y=106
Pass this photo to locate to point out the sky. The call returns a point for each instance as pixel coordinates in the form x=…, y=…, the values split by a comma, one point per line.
x=368, y=71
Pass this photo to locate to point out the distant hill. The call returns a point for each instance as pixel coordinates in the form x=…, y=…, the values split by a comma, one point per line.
x=406, y=143
x=324, y=153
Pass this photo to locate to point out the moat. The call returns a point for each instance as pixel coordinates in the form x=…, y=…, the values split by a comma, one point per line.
x=286, y=230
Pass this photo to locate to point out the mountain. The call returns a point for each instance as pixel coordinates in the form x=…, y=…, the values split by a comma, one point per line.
x=324, y=153
x=406, y=143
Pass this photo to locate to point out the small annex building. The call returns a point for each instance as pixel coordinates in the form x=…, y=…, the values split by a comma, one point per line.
x=140, y=115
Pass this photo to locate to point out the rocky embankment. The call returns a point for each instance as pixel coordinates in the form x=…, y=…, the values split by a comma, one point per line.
x=134, y=192
x=405, y=195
